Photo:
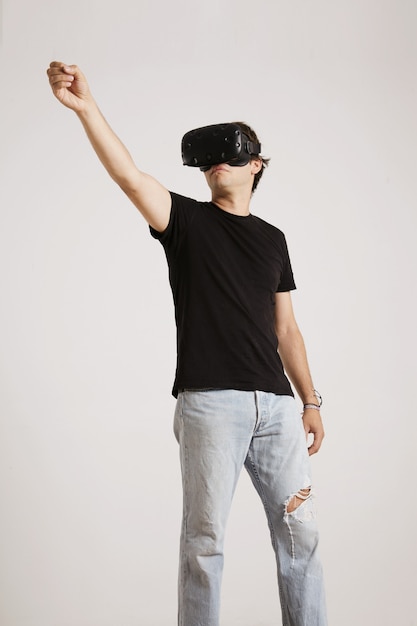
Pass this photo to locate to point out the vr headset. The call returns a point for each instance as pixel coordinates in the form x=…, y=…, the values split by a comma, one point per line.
x=218, y=143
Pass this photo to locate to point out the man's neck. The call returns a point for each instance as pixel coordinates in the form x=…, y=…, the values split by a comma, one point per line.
x=233, y=203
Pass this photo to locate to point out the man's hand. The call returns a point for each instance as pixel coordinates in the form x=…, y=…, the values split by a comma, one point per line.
x=69, y=85
x=313, y=424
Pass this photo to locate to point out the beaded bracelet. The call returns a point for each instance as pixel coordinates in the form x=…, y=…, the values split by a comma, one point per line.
x=311, y=405
x=318, y=396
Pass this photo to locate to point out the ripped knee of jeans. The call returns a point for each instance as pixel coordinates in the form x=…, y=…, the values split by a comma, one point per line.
x=297, y=499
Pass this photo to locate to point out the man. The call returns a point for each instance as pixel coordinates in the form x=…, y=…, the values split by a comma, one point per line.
x=231, y=279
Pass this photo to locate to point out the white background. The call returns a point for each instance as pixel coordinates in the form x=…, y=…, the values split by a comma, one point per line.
x=90, y=482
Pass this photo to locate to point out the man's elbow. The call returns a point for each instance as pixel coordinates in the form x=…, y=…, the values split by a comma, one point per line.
x=289, y=331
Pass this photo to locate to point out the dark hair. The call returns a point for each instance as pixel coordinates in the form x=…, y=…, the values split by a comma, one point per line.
x=253, y=137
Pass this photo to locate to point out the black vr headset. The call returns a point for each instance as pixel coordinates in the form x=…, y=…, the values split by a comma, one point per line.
x=218, y=143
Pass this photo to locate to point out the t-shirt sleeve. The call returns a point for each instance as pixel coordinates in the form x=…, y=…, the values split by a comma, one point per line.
x=286, y=282
x=182, y=211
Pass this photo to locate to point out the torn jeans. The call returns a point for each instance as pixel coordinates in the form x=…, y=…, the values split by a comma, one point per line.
x=219, y=432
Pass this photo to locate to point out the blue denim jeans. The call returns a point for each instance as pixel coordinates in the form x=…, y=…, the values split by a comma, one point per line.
x=219, y=432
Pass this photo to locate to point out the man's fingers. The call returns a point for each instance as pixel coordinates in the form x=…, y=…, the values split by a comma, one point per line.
x=60, y=80
x=56, y=70
x=61, y=76
x=58, y=65
x=317, y=441
x=313, y=425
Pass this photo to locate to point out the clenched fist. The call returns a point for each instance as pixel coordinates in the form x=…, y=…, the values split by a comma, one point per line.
x=69, y=85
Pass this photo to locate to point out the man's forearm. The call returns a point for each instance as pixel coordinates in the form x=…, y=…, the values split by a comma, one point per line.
x=110, y=150
x=294, y=358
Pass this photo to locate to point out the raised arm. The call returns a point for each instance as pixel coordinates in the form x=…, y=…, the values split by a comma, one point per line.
x=153, y=200
x=292, y=351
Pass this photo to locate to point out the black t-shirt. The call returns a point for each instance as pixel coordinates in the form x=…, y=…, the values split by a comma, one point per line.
x=224, y=271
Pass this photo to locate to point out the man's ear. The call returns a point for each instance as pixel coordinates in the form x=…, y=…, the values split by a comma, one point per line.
x=256, y=165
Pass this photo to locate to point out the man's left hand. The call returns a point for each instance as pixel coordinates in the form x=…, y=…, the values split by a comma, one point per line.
x=313, y=425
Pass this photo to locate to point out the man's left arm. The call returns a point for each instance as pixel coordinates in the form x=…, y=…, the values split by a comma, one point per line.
x=292, y=351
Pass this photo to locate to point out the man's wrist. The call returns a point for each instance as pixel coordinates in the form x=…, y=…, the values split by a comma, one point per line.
x=88, y=110
x=313, y=400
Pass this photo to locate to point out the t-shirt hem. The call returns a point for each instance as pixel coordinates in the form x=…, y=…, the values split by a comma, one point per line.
x=278, y=391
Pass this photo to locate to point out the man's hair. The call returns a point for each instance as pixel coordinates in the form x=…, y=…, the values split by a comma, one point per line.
x=253, y=137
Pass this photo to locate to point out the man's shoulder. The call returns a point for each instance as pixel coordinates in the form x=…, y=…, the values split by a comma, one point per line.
x=268, y=227
x=181, y=200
